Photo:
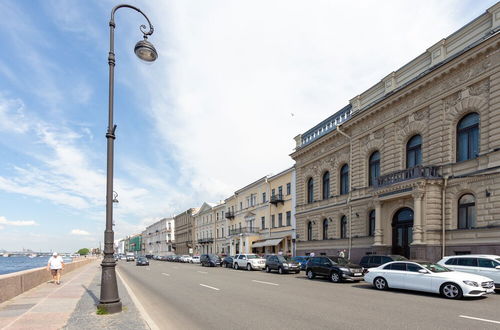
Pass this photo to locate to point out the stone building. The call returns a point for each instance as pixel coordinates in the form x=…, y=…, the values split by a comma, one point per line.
x=184, y=232
x=158, y=238
x=204, y=229
x=410, y=166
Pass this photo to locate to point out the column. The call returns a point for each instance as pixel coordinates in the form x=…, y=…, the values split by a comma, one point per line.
x=417, y=218
x=379, y=235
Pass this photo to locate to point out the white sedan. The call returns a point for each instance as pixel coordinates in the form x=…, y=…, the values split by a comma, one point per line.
x=429, y=277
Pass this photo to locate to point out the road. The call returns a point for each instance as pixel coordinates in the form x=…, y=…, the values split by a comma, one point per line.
x=186, y=296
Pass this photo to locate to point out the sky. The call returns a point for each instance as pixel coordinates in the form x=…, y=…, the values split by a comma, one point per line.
x=234, y=83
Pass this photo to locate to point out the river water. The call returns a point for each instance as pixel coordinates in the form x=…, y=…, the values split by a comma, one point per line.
x=16, y=264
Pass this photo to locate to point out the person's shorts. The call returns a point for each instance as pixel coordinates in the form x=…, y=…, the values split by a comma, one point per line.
x=55, y=271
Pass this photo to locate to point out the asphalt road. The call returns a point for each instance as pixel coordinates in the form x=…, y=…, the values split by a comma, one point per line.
x=186, y=296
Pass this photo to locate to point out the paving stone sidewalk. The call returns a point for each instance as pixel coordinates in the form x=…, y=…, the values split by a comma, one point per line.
x=71, y=305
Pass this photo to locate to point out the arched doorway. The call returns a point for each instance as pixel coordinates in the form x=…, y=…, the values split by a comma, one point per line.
x=402, y=232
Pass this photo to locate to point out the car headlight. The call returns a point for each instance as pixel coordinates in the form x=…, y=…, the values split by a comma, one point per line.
x=344, y=269
x=471, y=283
x=285, y=265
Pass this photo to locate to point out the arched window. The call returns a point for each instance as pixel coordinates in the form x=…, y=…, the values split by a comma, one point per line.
x=325, y=229
x=374, y=170
x=468, y=137
x=343, y=227
x=309, y=231
x=467, y=212
x=310, y=190
x=344, y=179
x=371, y=223
x=326, y=185
x=414, y=151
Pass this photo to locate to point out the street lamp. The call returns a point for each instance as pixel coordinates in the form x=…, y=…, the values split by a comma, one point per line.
x=110, y=301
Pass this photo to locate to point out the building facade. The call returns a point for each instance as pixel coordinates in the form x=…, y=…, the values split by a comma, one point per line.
x=221, y=242
x=410, y=166
x=205, y=228
x=158, y=238
x=184, y=232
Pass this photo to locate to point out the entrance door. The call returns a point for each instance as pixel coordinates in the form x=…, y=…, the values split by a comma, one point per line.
x=402, y=232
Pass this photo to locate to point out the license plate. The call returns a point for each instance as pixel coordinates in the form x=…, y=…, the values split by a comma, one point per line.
x=358, y=274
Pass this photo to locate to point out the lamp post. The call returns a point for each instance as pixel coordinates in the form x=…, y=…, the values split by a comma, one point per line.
x=109, y=300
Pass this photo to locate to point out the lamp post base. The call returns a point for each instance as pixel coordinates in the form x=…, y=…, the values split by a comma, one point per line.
x=111, y=308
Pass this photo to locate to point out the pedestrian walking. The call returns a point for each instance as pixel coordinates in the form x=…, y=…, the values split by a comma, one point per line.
x=55, y=266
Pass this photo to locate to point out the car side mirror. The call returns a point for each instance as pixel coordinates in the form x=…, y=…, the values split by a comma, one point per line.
x=423, y=271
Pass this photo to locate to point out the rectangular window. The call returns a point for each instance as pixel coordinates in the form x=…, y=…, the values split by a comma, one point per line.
x=288, y=188
x=222, y=230
x=280, y=219
x=263, y=222
x=272, y=221
x=273, y=192
x=289, y=218
x=263, y=197
x=241, y=205
x=280, y=190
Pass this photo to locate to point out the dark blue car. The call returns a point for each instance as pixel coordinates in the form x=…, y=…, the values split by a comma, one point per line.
x=302, y=260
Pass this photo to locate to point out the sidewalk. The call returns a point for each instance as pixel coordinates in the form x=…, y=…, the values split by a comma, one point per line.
x=71, y=305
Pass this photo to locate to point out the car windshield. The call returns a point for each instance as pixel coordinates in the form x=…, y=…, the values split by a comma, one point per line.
x=435, y=268
x=252, y=256
x=141, y=259
x=284, y=259
x=339, y=260
x=398, y=258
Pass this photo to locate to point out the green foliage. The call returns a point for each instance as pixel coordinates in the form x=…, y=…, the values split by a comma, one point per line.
x=83, y=251
x=101, y=311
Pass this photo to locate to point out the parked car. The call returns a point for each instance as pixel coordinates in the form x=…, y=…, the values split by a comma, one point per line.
x=429, y=277
x=378, y=260
x=248, y=262
x=142, y=261
x=282, y=264
x=480, y=264
x=302, y=260
x=123, y=257
x=337, y=269
x=149, y=256
x=210, y=260
x=185, y=258
x=195, y=260
x=177, y=259
x=130, y=256
x=228, y=262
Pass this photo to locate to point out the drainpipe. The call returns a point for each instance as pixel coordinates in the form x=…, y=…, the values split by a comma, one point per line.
x=350, y=189
x=443, y=216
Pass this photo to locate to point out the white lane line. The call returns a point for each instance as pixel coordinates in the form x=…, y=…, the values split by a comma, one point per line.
x=210, y=287
x=165, y=274
x=478, y=319
x=202, y=272
x=265, y=282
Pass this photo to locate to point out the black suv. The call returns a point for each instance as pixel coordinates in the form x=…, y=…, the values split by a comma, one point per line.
x=210, y=260
x=336, y=268
x=378, y=260
x=282, y=264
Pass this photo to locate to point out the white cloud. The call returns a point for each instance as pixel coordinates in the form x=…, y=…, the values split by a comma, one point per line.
x=79, y=232
x=12, y=117
x=20, y=223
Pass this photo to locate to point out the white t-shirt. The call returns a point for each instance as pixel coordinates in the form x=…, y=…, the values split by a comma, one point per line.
x=56, y=262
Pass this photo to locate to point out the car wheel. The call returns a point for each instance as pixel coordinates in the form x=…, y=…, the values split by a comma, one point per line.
x=249, y=267
x=310, y=274
x=280, y=270
x=451, y=291
x=236, y=266
x=268, y=270
x=380, y=283
x=335, y=277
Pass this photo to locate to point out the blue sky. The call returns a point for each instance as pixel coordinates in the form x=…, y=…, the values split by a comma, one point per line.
x=211, y=115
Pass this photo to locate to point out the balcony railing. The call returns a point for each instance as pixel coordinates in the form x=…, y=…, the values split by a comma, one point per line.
x=275, y=199
x=206, y=240
x=426, y=172
x=244, y=230
x=230, y=215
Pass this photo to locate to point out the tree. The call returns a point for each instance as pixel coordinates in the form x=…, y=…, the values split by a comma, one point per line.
x=83, y=251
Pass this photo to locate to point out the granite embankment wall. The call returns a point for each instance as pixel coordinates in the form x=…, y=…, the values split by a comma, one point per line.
x=16, y=283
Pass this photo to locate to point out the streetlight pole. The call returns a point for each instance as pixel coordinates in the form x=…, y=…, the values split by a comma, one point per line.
x=109, y=300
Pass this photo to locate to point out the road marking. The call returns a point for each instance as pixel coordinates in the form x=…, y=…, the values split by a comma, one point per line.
x=210, y=287
x=165, y=274
x=202, y=272
x=478, y=319
x=265, y=282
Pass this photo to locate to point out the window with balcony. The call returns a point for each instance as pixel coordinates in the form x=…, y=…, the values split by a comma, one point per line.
x=467, y=212
x=371, y=223
x=344, y=179
x=343, y=227
x=310, y=190
x=326, y=185
x=468, y=137
x=374, y=168
x=414, y=151
x=325, y=229
x=309, y=231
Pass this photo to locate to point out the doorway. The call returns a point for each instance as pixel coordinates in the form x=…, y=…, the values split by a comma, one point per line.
x=402, y=232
